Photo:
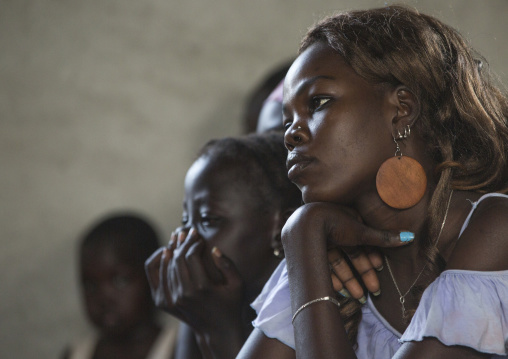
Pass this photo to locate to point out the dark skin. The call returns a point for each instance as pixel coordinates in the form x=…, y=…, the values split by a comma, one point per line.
x=363, y=259
x=118, y=302
x=342, y=129
x=208, y=280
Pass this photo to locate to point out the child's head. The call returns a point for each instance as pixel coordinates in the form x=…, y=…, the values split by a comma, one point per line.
x=238, y=196
x=112, y=254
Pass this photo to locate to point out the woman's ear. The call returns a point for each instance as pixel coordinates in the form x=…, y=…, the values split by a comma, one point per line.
x=407, y=111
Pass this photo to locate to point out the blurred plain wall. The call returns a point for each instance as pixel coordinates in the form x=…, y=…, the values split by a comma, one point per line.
x=103, y=105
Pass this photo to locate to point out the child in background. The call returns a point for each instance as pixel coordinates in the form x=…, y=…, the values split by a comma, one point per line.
x=116, y=294
x=237, y=199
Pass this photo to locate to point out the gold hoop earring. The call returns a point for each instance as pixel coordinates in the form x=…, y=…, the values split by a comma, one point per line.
x=401, y=181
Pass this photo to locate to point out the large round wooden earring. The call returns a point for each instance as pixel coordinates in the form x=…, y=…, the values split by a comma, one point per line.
x=401, y=181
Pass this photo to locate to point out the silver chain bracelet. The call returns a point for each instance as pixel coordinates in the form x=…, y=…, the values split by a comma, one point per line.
x=330, y=299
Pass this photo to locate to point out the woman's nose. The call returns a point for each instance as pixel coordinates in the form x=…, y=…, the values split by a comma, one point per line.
x=294, y=136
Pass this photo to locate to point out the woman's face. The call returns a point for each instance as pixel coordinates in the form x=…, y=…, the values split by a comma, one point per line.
x=226, y=213
x=338, y=128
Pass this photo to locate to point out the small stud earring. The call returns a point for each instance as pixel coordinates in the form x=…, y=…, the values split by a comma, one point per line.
x=277, y=252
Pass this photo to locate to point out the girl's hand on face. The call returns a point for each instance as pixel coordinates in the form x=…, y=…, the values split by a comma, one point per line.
x=156, y=270
x=182, y=286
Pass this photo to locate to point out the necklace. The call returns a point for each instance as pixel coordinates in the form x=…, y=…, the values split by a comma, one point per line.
x=402, y=297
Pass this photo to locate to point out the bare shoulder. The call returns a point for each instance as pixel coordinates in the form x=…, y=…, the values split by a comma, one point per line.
x=483, y=246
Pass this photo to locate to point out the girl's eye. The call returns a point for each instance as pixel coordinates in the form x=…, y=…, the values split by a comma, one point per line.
x=209, y=220
x=318, y=102
x=185, y=219
x=286, y=124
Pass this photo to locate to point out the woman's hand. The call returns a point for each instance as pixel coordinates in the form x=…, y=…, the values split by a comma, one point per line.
x=349, y=244
x=365, y=261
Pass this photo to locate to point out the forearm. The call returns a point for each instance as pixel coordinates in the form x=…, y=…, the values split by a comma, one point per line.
x=186, y=345
x=319, y=329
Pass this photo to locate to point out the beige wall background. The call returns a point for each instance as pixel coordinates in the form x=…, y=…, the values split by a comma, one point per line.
x=103, y=104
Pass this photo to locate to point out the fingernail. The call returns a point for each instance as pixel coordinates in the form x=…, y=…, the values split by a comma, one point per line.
x=375, y=294
x=344, y=292
x=216, y=252
x=380, y=268
x=406, y=236
x=192, y=232
x=362, y=300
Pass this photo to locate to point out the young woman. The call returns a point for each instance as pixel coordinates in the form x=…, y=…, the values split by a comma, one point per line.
x=398, y=141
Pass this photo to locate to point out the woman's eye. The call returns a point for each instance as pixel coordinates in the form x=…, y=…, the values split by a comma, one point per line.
x=318, y=102
x=286, y=124
x=185, y=219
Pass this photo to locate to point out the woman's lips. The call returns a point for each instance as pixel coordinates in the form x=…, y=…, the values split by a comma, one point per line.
x=296, y=163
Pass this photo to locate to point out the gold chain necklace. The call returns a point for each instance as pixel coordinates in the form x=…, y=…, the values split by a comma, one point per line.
x=402, y=297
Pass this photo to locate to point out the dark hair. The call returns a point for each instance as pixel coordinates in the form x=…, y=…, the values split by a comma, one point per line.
x=257, y=97
x=463, y=115
x=134, y=237
x=262, y=160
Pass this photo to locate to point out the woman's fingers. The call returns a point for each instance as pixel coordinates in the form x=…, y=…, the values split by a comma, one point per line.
x=345, y=275
x=364, y=268
x=343, y=279
x=356, y=233
x=375, y=258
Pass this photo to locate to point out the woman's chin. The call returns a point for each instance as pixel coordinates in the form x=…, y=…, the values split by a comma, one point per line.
x=309, y=196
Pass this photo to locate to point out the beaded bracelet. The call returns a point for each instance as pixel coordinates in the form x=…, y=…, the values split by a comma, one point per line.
x=333, y=300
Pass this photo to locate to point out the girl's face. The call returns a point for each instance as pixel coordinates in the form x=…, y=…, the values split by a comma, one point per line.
x=226, y=213
x=116, y=293
x=338, y=128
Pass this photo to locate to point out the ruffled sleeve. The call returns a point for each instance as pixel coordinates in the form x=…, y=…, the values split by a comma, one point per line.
x=466, y=308
x=273, y=308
